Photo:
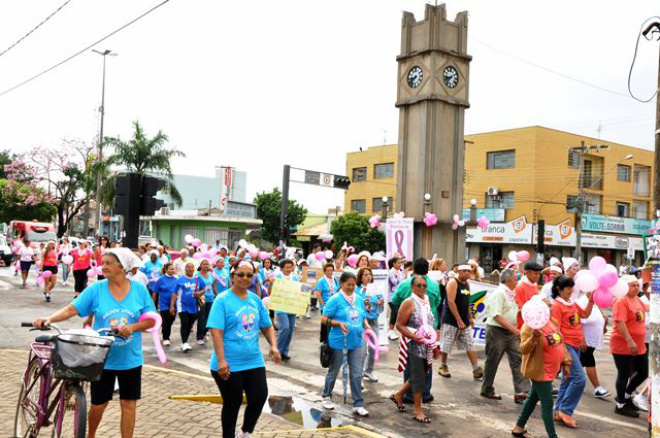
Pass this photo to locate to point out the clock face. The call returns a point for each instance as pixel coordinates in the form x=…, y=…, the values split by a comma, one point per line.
x=450, y=76
x=415, y=76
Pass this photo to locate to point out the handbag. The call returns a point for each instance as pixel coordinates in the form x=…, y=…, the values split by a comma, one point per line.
x=201, y=300
x=325, y=352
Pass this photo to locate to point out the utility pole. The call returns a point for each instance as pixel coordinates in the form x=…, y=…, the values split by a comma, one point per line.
x=100, y=143
x=284, y=231
x=580, y=205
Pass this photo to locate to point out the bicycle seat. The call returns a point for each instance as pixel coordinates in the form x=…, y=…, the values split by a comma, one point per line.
x=45, y=338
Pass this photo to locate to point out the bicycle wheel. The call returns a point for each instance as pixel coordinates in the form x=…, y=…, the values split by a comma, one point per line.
x=25, y=421
x=71, y=417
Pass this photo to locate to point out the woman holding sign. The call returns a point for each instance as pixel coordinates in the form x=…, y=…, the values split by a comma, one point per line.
x=345, y=314
x=237, y=365
x=373, y=304
x=285, y=321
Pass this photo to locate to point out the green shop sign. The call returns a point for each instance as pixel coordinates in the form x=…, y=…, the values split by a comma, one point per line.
x=614, y=224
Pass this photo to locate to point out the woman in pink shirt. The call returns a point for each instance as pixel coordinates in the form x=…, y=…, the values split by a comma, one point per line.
x=82, y=260
x=99, y=251
x=49, y=263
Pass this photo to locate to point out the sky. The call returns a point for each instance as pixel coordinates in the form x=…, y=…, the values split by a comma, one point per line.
x=259, y=84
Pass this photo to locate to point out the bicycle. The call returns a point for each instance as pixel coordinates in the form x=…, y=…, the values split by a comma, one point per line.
x=52, y=390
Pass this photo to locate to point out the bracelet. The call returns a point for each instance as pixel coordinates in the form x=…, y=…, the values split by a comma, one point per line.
x=329, y=324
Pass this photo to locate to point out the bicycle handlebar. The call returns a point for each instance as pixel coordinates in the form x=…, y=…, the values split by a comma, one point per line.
x=109, y=331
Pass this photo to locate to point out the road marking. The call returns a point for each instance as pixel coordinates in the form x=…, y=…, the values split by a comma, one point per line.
x=181, y=373
x=610, y=421
x=351, y=428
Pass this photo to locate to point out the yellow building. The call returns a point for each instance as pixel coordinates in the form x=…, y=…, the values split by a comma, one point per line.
x=528, y=174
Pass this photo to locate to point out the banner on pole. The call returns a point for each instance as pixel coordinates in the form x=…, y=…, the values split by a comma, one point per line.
x=288, y=296
x=399, y=237
x=479, y=293
x=378, y=288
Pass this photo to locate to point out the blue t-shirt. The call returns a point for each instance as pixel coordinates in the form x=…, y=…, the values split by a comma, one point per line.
x=152, y=271
x=222, y=280
x=207, y=285
x=240, y=321
x=370, y=303
x=327, y=288
x=186, y=301
x=165, y=288
x=124, y=354
x=338, y=309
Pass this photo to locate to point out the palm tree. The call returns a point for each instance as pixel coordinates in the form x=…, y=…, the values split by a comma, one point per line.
x=142, y=155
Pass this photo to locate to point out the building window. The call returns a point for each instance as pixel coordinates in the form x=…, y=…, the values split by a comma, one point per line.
x=502, y=200
x=359, y=174
x=571, y=204
x=641, y=180
x=573, y=159
x=378, y=204
x=641, y=210
x=623, y=173
x=501, y=160
x=384, y=170
x=359, y=205
x=592, y=204
x=623, y=209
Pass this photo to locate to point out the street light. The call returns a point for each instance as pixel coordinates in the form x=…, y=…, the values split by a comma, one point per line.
x=100, y=143
x=383, y=207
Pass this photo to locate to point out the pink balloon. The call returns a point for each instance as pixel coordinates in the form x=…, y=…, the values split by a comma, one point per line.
x=204, y=247
x=329, y=255
x=587, y=282
x=352, y=260
x=607, y=279
x=263, y=255
x=46, y=274
x=67, y=259
x=320, y=256
x=198, y=256
x=99, y=270
x=535, y=313
x=523, y=256
x=91, y=273
x=158, y=321
x=620, y=289
x=597, y=264
x=254, y=252
x=266, y=301
x=40, y=281
x=372, y=342
x=196, y=242
x=603, y=298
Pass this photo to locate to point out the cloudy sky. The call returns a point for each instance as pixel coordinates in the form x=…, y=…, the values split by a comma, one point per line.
x=258, y=84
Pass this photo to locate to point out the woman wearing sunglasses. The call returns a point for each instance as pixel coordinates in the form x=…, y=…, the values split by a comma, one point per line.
x=237, y=365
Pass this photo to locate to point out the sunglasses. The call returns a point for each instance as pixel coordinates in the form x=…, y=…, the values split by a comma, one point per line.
x=244, y=274
x=420, y=285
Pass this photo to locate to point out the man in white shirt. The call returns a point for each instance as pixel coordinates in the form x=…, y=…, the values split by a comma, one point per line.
x=180, y=263
x=546, y=292
x=312, y=261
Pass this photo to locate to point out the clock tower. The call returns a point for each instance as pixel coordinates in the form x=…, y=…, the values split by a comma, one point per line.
x=432, y=95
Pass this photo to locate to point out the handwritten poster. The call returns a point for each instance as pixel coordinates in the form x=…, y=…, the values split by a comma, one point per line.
x=399, y=237
x=288, y=296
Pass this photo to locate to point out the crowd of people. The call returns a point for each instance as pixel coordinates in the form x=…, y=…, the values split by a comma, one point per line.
x=430, y=315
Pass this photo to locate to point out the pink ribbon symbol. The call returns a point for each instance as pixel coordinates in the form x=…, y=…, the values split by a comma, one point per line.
x=398, y=240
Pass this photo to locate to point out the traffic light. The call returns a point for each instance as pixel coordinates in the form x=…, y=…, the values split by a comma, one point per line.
x=150, y=187
x=341, y=182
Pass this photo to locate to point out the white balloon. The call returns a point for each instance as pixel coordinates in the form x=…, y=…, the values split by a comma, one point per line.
x=620, y=288
x=513, y=256
x=188, y=238
x=587, y=282
x=242, y=243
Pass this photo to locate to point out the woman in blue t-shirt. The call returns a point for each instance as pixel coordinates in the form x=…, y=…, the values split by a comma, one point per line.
x=372, y=305
x=326, y=287
x=345, y=314
x=205, y=283
x=237, y=365
x=114, y=302
x=221, y=275
x=163, y=289
x=184, y=301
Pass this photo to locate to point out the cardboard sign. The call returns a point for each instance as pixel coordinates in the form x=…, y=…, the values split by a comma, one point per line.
x=311, y=275
x=289, y=296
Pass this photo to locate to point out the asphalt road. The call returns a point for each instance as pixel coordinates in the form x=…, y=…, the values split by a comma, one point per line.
x=457, y=411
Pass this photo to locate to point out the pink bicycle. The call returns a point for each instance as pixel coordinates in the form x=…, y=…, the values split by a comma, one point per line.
x=52, y=390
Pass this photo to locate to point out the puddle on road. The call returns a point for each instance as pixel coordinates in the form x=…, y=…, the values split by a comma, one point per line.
x=301, y=412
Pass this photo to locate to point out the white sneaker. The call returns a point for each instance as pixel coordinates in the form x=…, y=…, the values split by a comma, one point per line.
x=393, y=336
x=601, y=392
x=200, y=342
x=641, y=402
x=166, y=343
x=370, y=377
x=186, y=347
x=361, y=411
x=308, y=315
x=327, y=403
x=242, y=434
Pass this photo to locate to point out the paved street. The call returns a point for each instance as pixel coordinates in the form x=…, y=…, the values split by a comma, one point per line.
x=458, y=410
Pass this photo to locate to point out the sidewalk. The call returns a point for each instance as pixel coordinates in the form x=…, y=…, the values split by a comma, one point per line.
x=157, y=416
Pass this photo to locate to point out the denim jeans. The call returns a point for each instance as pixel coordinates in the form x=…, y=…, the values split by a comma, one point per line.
x=354, y=374
x=570, y=391
x=369, y=353
x=286, y=323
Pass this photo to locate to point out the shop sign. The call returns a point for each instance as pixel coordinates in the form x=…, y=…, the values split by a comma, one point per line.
x=614, y=224
x=492, y=214
x=517, y=231
x=563, y=234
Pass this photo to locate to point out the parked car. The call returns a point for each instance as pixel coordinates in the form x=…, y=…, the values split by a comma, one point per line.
x=5, y=251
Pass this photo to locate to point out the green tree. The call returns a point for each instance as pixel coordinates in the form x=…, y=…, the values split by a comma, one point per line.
x=269, y=206
x=6, y=157
x=354, y=228
x=142, y=154
x=24, y=202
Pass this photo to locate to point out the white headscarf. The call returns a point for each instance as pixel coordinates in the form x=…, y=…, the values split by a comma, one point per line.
x=126, y=257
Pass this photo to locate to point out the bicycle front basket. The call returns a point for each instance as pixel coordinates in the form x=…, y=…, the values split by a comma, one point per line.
x=80, y=357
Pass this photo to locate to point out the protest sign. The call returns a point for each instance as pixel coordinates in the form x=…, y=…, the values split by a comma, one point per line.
x=289, y=296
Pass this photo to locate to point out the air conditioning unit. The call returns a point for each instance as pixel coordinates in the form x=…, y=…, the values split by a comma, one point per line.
x=164, y=211
x=492, y=191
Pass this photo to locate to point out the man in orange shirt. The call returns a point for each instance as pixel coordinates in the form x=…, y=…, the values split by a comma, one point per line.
x=527, y=286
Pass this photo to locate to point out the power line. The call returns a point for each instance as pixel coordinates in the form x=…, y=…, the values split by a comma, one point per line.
x=35, y=28
x=80, y=52
x=555, y=72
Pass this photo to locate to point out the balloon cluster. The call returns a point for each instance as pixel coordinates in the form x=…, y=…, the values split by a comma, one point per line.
x=518, y=256
x=430, y=219
x=457, y=222
x=603, y=280
x=483, y=223
x=374, y=221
